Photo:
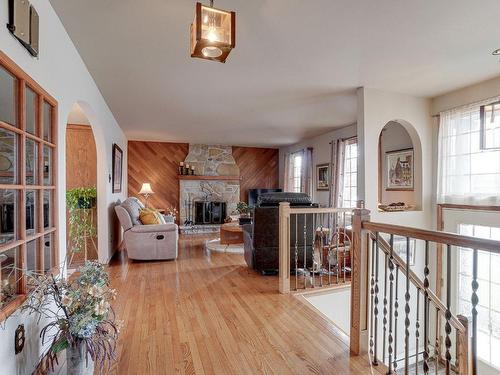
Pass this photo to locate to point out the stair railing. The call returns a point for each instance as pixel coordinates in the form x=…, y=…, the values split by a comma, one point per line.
x=404, y=306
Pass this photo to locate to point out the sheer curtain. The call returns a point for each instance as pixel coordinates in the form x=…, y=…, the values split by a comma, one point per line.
x=467, y=174
x=287, y=175
x=338, y=173
x=307, y=172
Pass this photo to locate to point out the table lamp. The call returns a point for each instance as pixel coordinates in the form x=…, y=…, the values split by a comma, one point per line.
x=146, y=191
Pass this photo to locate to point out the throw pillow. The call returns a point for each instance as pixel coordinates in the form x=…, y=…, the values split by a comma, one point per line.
x=149, y=217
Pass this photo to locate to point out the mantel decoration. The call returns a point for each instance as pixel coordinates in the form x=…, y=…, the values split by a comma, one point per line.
x=399, y=166
x=78, y=315
x=212, y=33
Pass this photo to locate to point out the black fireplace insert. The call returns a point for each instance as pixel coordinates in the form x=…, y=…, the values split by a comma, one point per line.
x=209, y=212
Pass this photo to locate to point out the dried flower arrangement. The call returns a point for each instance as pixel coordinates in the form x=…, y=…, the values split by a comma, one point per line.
x=172, y=211
x=78, y=312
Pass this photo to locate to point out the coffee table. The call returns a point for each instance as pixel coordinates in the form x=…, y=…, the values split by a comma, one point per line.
x=231, y=233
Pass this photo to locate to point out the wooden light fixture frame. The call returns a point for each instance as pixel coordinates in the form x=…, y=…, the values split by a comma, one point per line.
x=198, y=43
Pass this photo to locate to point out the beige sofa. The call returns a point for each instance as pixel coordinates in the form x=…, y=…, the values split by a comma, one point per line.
x=146, y=242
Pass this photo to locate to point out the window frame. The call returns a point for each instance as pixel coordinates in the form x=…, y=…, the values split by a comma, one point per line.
x=461, y=274
x=347, y=175
x=293, y=168
x=21, y=239
x=482, y=126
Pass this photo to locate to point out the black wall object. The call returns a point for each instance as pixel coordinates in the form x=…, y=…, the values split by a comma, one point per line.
x=24, y=24
x=19, y=339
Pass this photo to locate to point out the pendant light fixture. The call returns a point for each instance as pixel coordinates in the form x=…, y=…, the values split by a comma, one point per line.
x=212, y=33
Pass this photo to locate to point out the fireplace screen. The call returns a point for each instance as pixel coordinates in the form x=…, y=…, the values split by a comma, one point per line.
x=210, y=212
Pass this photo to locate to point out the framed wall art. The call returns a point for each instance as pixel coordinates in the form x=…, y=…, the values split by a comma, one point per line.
x=117, y=168
x=323, y=176
x=400, y=169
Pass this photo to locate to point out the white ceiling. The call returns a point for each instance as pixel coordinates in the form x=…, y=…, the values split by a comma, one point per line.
x=295, y=68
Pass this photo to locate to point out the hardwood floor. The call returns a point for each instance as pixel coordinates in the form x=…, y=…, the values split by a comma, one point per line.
x=210, y=314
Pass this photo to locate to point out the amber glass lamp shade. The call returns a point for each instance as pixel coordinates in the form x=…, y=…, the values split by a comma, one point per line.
x=212, y=33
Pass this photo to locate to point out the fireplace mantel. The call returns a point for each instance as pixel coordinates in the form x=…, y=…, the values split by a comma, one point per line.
x=210, y=178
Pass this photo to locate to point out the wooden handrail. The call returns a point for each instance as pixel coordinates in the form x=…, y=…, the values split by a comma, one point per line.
x=445, y=238
x=384, y=246
x=318, y=210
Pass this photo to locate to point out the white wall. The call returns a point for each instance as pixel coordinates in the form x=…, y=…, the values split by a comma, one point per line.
x=321, y=154
x=395, y=137
x=62, y=73
x=466, y=95
x=377, y=108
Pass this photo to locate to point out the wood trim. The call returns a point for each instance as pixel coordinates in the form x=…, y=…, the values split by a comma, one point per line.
x=440, y=227
x=217, y=178
x=468, y=207
x=78, y=127
x=434, y=236
x=12, y=307
x=22, y=75
x=23, y=80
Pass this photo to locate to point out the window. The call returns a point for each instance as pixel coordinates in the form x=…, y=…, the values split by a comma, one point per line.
x=27, y=187
x=490, y=126
x=469, y=167
x=349, y=196
x=488, y=331
x=296, y=171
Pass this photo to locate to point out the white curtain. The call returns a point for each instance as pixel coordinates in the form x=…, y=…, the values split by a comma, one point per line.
x=307, y=172
x=288, y=175
x=338, y=172
x=467, y=174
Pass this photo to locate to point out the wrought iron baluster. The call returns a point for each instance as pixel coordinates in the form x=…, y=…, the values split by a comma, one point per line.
x=372, y=297
x=474, y=301
x=337, y=245
x=296, y=252
x=396, y=316
x=426, y=310
x=447, y=326
x=321, y=237
x=417, y=331
x=384, y=321
x=314, y=260
x=305, y=251
x=437, y=346
x=407, y=307
x=376, y=300
x=391, y=306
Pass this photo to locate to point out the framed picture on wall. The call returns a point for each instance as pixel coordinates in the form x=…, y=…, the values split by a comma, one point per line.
x=399, y=170
x=323, y=176
x=117, y=168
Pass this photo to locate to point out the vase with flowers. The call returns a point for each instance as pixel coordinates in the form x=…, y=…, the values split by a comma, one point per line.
x=79, y=318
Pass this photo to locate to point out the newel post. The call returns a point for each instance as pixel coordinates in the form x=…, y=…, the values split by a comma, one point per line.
x=284, y=241
x=463, y=346
x=359, y=281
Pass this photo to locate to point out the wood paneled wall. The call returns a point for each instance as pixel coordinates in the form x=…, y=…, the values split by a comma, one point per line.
x=157, y=163
x=258, y=168
x=81, y=171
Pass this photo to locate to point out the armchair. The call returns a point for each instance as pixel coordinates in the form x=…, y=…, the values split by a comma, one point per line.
x=146, y=242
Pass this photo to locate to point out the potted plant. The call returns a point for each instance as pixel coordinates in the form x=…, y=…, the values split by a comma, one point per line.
x=244, y=211
x=78, y=315
x=79, y=202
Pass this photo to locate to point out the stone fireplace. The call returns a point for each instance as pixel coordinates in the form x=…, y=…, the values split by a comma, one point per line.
x=216, y=180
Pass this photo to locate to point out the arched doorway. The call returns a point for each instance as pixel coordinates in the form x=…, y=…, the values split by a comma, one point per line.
x=81, y=189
